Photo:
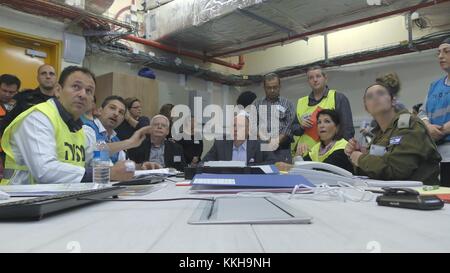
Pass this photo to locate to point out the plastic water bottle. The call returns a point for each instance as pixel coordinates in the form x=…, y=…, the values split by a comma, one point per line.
x=298, y=159
x=101, y=163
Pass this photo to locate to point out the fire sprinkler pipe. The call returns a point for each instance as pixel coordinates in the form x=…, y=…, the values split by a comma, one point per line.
x=335, y=27
x=163, y=47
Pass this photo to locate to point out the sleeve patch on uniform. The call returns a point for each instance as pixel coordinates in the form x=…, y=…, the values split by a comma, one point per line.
x=403, y=121
x=395, y=140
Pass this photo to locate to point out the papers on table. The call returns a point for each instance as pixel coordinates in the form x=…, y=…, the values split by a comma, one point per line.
x=162, y=172
x=388, y=183
x=47, y=189
x=267, y=169
x=225, y=164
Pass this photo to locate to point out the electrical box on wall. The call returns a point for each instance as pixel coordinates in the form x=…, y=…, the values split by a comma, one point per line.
x=74, y=48
x=149, y=24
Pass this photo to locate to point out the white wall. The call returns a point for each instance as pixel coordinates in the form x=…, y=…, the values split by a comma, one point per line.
x=416, y=72
x=170, y=88
x=377, y=34
x=169, y=85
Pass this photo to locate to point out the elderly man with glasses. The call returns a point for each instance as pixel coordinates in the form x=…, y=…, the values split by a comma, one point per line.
x=156, y=148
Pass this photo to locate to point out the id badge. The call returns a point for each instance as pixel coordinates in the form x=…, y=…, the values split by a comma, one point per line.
x=377, y=150
x=177, y=158
x=281, y=108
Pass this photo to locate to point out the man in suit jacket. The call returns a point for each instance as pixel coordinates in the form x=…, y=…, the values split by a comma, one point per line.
x=240, y=148
x=158, y=149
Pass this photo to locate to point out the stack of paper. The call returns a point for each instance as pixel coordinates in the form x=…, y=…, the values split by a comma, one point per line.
x=47, y=189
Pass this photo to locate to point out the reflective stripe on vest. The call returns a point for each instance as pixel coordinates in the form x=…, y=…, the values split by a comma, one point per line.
x=314, y=153
x=3, y=113
x=303, y=109
x=70, y=147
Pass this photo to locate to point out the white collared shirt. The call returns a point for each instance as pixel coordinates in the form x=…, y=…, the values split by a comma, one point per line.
x=33, y=144
x=90, y=133
x=240, y=153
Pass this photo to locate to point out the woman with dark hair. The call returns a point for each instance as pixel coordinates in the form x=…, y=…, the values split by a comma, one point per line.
x=330, y=148
x=401, y=148
x=192, y=145
x=416, y=109
x=246, y=98
x=134, y=120
x=166, y=110
x=393, y=80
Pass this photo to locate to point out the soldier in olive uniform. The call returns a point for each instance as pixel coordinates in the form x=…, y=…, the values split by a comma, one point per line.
x=401, y=148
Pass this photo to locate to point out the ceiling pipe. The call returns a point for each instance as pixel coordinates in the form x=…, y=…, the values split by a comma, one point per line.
x=73, y=13
x=158, y=45
x=170, y=49
x=335, y=27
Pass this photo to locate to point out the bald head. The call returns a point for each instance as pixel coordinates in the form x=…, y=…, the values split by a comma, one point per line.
x=47, y=79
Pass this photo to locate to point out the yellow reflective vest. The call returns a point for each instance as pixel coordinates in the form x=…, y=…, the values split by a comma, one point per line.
x=70, y=146
x=314, y=153
x=303, y=109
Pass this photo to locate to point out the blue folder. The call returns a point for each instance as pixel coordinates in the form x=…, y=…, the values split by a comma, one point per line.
x=251, y=180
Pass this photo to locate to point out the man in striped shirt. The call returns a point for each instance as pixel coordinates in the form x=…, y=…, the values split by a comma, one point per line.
x=286, y=114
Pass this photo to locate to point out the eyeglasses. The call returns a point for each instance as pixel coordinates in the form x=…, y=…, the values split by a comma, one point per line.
x=136, y=107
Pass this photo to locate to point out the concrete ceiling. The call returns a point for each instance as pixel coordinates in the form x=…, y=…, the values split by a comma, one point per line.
x=215, y=27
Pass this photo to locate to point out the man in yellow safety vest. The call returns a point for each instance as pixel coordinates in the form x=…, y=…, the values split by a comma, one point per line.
x=304, y=126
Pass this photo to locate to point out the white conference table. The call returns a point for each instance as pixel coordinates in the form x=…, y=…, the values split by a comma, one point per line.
x=162, y=227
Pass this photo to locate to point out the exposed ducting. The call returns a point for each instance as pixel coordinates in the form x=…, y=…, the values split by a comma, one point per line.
x=57, y=10
x=427, y=42
x=169, y=63
x=153, y=4
x=229, y=27
x=103, y=38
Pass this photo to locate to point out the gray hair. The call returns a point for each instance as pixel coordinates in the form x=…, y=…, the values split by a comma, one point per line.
x=159, y=116
x=270, y=77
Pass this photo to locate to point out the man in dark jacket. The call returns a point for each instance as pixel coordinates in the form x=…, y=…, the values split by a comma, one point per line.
x=46, y=76
x=240, y=148
x=156, y=148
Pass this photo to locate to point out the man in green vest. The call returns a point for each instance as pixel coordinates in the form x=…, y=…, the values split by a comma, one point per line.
x=47, y=143
x=304, y=126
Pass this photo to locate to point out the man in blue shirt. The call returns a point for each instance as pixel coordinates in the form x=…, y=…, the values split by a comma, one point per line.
x=111, y=115
x=435, y=111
